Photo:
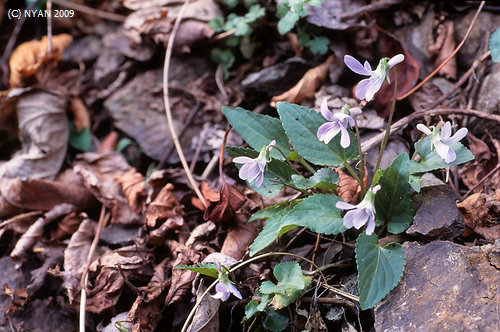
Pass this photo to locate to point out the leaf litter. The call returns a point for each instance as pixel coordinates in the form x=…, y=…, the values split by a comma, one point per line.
x=116, y=96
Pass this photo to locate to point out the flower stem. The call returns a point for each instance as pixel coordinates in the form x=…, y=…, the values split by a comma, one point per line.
x=306, y=165
x=416, y=150
x=389, y=122
x=287, y=160
x=353, y=173
x=361, y=170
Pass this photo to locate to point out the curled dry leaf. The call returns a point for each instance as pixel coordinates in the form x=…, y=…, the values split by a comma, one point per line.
x=112, y=268
x=479, y=210
x=99, y=171
x=443, y=47
x=349, y=188
x=132, y=183
x=68, y=225
x=28, y=58
x=474, y=172
x=145, y=313
x=75, y=257
x=28, y=239
x=240, y=237
x=80, y=113
x=307, y=85
x=157, y=236
x=164, y=206
x=109, y=143
x=17, y=195
x=230, y=200
x=44, y=133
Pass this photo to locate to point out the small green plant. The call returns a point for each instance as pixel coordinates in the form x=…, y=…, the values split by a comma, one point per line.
x=302, y=138
x=242, y=26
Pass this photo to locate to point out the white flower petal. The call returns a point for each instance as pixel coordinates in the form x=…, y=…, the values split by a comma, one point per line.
x=373, y=87
x=362, y=87
x=325, y=111
x=461, y=133
x=344, y=206
x=367, y=66
x=355, y=111
x=345, y=140
x=446, y=130
x=442, y=150
x=451, y=156
x=396, y=59
x=424, y=129
x=249, y=171
x=234, y=291
x=356, y=66
x=243, y=160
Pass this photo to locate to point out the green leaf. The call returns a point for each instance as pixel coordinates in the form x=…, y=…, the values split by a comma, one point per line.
x=282, y=8
x=202, y=268
x=276, y=173
x=291, y=284
x=318, y=213
x=495, y=46
x=432, y=161
x=287, y=22
x=269, y=211
x=301, y=124
x=271, y=231
x=258, y=130
x=251, y=309
x=319, y=45
x=123, y=144
x=275, y=321
x=217, y=24
x=324, y=178
x=415, y=182
x=80, y=140
x=254, y=13
x=393, y=200
x=380, y=269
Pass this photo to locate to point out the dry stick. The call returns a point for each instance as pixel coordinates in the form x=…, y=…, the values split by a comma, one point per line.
x=482, y=180
x=49, y=27
x=103, y=219
x=20, y=217
x=372, y=142
x=369, y=8
x=90, y=11
x=416, y=87
x=168, y=55
x=462, y=79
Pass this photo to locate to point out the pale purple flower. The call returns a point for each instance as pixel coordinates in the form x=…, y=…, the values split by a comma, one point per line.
x=253, y=168
x=337, y=123
x=225, y=289
x=443, y=140
x=362, y=213
x=368, y=87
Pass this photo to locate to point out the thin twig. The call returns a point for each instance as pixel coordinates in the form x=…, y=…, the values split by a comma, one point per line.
x=49, y=27
x=166, y=101
x=374, y=6
x=462, y=79
x=90, y=11
x=372, y=142
x=487, y=176
x=20, y=217
x=416, y=87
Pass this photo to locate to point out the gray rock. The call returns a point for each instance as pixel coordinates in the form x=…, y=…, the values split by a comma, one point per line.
x=430, y=180
x=488, y=99
x=436, y=216
x=87, y=48
x=277, y=78
x=445, y=287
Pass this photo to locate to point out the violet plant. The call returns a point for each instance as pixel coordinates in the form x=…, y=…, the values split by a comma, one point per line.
x=305, y=145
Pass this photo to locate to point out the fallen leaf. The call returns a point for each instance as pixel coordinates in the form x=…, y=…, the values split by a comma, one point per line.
x=443, y=47
x=206, y=317
x=17, y=195
x=68, y=225
x=81, y=117
x=109, y=143
x=164, y=206
x=157, y=236
x=230, y=201
x=240, y=237
x=349, y=188
x=307, y=85
x=28, y=239
x=44, y=135
x=29, y=57
x=75, y=257
x=99, y=171
x=479, y=210
x=132, y=183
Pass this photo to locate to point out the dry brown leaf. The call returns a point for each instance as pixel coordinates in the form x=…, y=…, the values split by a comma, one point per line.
x=68, y=225
x=28, y=58
x=443, y=47
x=349, y=188
x=99, y=171
x=28, y=239
x=164, y=206
x=479, y=149
x=44, y=135
x=109, y=143
x=145, y=313
x=182, y=279
x=132, y=183
x=479, y=211
x=75, y=257
x=230, y=201
x=157, y=236
x=307, y=85
x=240, y=237
x=80, y=113
x=17, y=195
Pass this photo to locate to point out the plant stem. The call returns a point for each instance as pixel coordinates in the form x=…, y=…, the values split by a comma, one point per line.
x=306, y=165
x=353, y=173
x=389, y=122
x=361, y=170
x=416, y=150
x=287, y=160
